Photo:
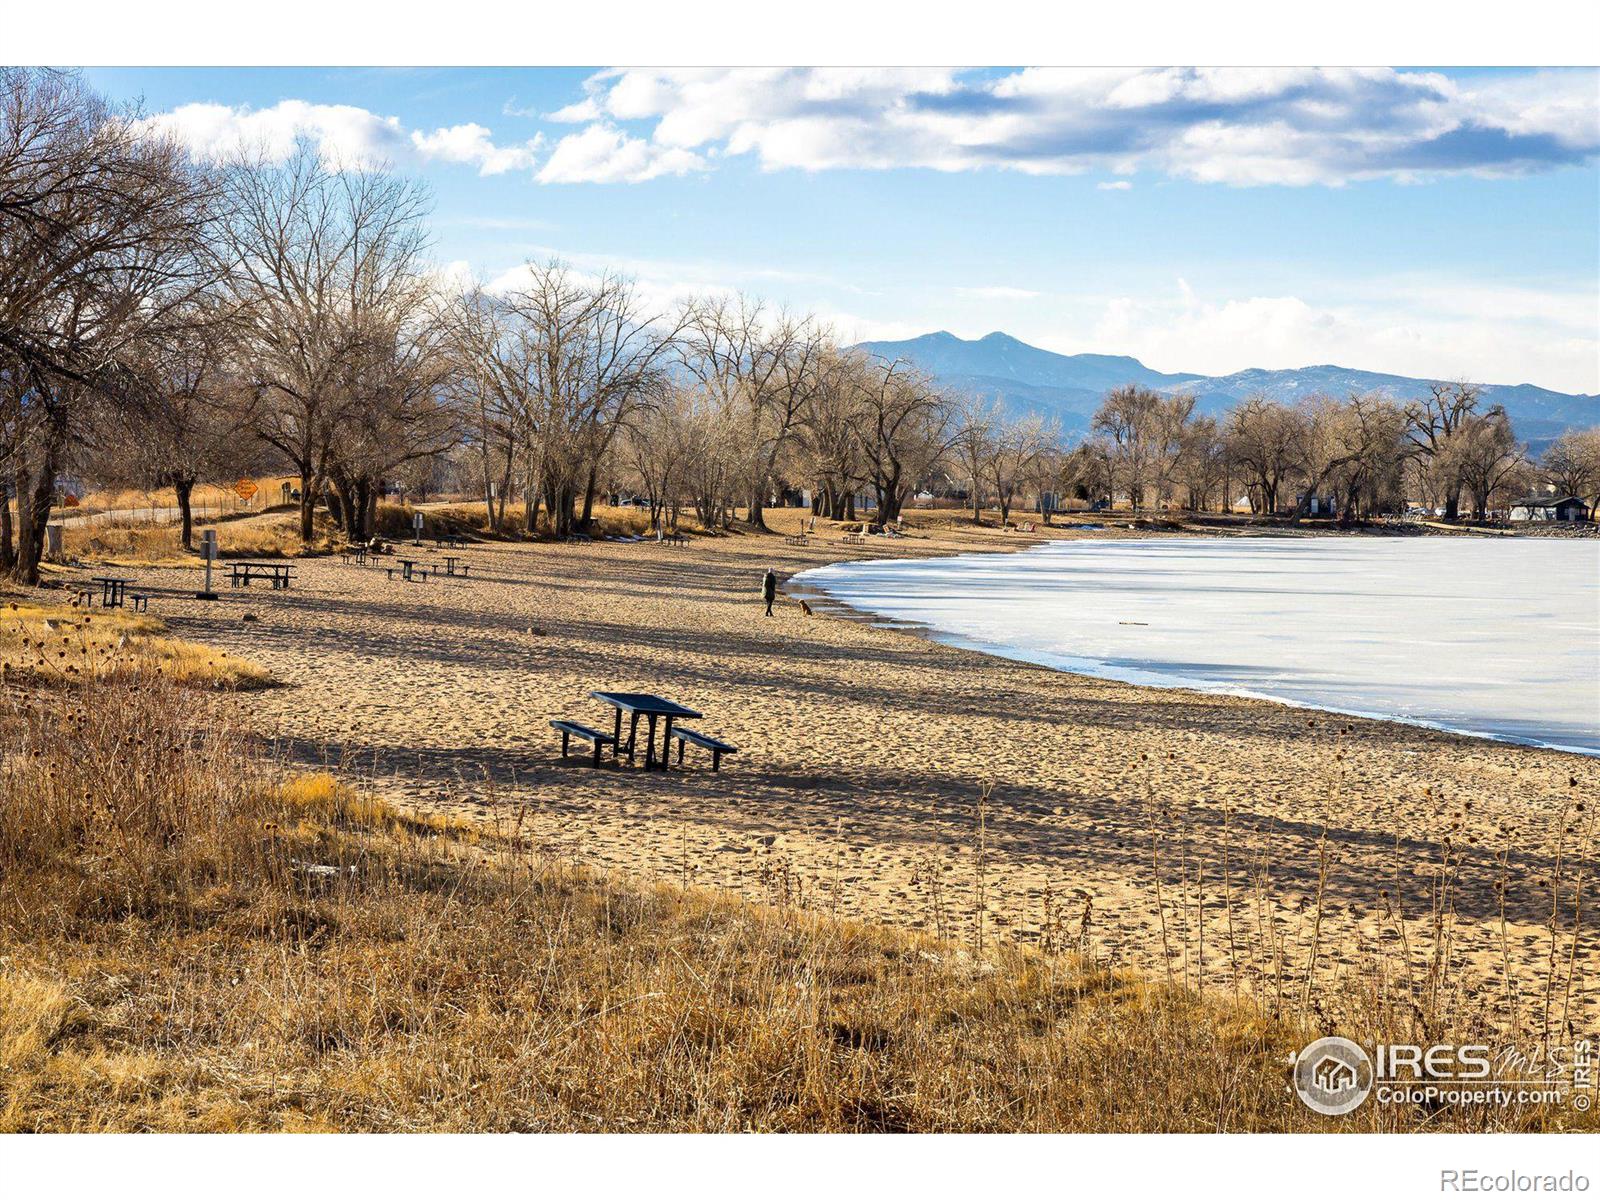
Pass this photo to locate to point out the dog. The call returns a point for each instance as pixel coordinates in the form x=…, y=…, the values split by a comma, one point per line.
x=805, y=609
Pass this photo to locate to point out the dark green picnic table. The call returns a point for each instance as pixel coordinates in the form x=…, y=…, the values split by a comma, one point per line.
x=651, y=708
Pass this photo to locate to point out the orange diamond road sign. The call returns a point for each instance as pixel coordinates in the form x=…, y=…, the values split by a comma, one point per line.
x=246, y=488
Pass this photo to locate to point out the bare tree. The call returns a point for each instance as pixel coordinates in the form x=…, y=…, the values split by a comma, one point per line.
x=761, y=367
x=907, y=423
x=186, y=411
x=1266, y=441
x=103, y=242
x=1571, y=463
x=1431, y=426
x=979, y=424
x=1015, y=449
x=323, y=259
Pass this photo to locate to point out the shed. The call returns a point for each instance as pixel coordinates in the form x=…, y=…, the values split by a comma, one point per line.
x=1550, y=508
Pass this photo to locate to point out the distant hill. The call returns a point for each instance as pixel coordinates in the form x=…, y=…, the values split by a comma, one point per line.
x=1070, y=387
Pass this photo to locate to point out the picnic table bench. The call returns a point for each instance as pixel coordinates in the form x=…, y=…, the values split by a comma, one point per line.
x=358, y=553
x=855, y=538
x=112, y=590
x=452, y=540
x=572, y=729
x=718, y=748
x=454, y=566
x=651, y=708
x=408, y=571
x=279, y=574
x=673, y=539
x=797, y=539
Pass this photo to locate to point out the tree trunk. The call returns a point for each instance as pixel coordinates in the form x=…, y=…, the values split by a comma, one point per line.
x=756, y=518
x=34, y=493
x=530, y=500
x=358, y=505
x=588, y=500
x=184, y=490
x=308, y=508
x=8, y=555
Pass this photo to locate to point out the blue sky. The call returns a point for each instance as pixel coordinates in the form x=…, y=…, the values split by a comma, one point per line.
x=1423, y=222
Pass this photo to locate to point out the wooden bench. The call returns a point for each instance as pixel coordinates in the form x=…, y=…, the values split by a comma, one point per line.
x=571, y=729
x=140, y=601
x=717, y=748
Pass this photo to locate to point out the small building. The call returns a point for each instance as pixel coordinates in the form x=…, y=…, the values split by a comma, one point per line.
x=1317, y=506
x=1549, y=508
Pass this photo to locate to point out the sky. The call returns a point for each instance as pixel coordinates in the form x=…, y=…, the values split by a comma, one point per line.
x=1438, y=223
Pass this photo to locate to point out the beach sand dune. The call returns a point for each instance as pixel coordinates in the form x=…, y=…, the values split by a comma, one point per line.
x=864, y=752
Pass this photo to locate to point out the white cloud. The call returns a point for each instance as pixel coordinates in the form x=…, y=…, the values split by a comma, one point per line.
x=604, y=154
x=472, y=144
x=1432, y=329
x=1241, y=127
x=345, y=135
x=1120, y=185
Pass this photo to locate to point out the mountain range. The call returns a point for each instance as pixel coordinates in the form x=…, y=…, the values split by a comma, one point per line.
x=1069, y=387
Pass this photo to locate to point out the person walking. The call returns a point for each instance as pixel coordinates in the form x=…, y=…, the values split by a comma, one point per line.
x=769, y=588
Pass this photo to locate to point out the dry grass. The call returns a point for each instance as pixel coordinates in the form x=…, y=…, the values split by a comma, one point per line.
x=190, y=939
x=76, y=645
x=130, y=542
x=469, y=517
x=213, y=496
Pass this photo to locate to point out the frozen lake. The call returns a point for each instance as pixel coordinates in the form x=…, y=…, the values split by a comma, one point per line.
x=1492, y=636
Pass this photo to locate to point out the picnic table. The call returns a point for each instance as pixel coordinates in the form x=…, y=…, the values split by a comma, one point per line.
x=112, y=590
x=651, y=708
x=453, y=540
x=452, y=564
x=242, y=573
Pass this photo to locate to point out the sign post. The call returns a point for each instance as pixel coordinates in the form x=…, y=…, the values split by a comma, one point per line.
x=416, y=529
x=208, y=551
x=245, y=489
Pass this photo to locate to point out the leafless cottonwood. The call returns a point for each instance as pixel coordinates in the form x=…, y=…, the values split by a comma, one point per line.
x=105, y=238
x=325, y=265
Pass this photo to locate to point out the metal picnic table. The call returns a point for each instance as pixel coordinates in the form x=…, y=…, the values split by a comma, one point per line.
x=241, y=573
x=650, y=707
x=112, y=590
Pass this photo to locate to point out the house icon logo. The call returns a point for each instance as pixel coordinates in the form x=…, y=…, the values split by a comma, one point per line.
x=1332, y=1076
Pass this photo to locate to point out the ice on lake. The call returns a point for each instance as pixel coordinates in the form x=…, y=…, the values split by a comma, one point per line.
x=1492, y=636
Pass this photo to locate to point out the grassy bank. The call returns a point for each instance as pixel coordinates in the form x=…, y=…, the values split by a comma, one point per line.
x=191, y=939
x=77, y=645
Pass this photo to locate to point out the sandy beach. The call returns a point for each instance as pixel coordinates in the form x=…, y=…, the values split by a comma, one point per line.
x=863, y=752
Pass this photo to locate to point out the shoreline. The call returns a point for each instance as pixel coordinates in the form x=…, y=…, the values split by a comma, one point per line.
x=1090, y=667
